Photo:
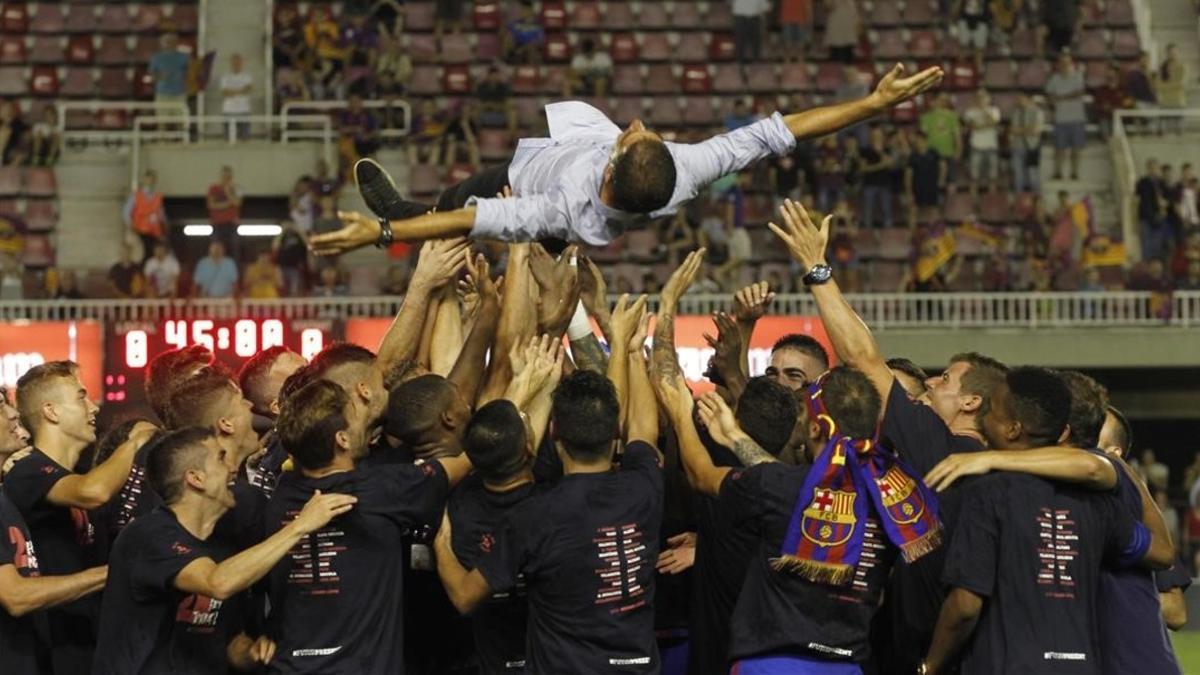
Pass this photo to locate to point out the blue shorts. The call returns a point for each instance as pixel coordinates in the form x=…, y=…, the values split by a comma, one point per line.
x=793, y=665
x=795, y=33
x=1069, y=135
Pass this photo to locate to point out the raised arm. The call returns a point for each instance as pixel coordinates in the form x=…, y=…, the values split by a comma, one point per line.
x=625, y=321
x=95, y=488
x=539, y=369
x=891, y=90
x=518, y=319
x=1068, y=465
x=642, y=421
x=723, y=427
x=851, y=338
x=442, y=338
x=22, y=595
x=234, y=575
x=586, y=350
x=468, y=370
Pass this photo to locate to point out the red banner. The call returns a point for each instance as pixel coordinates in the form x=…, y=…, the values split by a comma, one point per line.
x=694, y=352
x=27, y=344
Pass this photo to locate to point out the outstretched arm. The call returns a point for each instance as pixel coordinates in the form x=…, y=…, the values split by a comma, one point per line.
x=518, y=319
x=467, y=373
x=891, y=90
x=625, y=321
x=851, y=338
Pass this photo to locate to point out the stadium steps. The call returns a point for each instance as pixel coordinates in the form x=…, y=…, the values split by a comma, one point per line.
x=92, y=186
x=1174, y=22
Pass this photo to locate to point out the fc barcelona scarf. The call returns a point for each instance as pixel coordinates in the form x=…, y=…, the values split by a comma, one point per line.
x=851, y=479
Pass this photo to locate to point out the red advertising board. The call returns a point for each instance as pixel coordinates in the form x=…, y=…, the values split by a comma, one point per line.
x=25, y=344
x=694, y=352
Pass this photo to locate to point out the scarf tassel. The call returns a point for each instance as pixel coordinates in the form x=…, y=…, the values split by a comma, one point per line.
x=926, y=543
x=814, y=571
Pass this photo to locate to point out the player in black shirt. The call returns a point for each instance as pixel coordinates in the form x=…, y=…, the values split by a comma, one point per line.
x=261, y=379
x=169, y=369
x=1031, y=604
x=586, y=546
x=337, y=599
x=167, y=603
x=23, y=590
x=55, y=501
x=135, y=499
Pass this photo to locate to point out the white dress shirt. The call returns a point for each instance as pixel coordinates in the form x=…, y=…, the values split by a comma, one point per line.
x=556, y=181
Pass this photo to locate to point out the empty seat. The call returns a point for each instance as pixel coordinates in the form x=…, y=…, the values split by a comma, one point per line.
x=629, y=108
x=624, y=48
x=40, y=215
x=457, y=80
x=12, y=49
x=687, y=15
x=664, y=113
x=487, y=46
x=692, y=47
x=14, y=18
x=619, y=16
x=656, y=47
x=494, y=144
x=554, y=15
x=556, y=48
x=829, y=76
x=719, y=16
x=696, y=79
x=923, y=44
x=485, y=16
x=963, y=76
x=653, y=15
x=114, y=18
x=422, y=47
x=80, y=50
x=456, y=48
x=10, y=181
x=884, y=14
x=762, y=78
x=185, y=18
x=586, y=16
x=146, y=19
x=722, y=47
x=920, y=13
x=112, y=118
x=144, y=48
x=627, y=79
x=143, y=83
x=525, y=79
x=727, y=78
x=905, y=112
x=998, y=74
x=530, y=112
x=1092, y=45
x=80, y=19
x=1118, y=13
x=40, y=182
x=38, y=251
x=699, y=111
x=1024, y=44
x=113, y=51
x=44, y=82
x=1033, y=75
x=890, y=44
x=426, y=80
x=660, y=79
x=959, y=207
x=114, y=83
x=795, y=78
x=46, y=49
x=1125, y=44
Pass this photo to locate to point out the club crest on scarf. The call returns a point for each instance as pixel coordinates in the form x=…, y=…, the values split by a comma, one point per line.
x=851, y=480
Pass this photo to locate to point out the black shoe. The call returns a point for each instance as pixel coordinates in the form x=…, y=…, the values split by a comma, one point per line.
x=380, y=193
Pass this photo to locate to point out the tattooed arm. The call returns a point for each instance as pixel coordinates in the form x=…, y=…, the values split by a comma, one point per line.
x=588, y=354
x=664, y=357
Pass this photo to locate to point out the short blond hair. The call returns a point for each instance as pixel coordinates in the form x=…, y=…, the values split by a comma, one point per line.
x=35, y=386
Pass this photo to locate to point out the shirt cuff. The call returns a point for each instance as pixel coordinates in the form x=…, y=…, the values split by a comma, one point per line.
x=489, y=220
x=778, y=137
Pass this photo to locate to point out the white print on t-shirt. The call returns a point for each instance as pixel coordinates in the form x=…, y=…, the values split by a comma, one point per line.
x=869, y=558
x=130, y=493
x=1056, y=529
x=818, y=647
x=317, y=652
x=26, y=560
x=200, y=612
x=312, y=562
x=620, y=552
x=641, y=660
x=1064, y=656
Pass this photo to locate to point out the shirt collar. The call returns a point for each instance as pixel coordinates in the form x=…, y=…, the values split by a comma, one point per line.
x=579, y=121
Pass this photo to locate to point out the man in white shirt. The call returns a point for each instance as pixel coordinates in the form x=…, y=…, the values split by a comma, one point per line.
x=235, y=90
x=984, y=122
x=590, y=181
x=162, y=272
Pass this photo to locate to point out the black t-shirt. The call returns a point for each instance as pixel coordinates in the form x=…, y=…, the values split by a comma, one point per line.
x=20, y=649
x=587, y=548
x=1033, y=550
x=783, y=612
x=123, y=275
x=1149, y=191
x=879, y=177
x=337, y=598
x=269, y=468
x=787, y=174
x=66, y=541
x=476, y=515
x=915, y=592
x=135, y=499
x=926, y=170
x=147, y=625
x=242, y=526
x=493, y=93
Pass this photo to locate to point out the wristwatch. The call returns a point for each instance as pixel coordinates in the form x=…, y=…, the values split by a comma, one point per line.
x=385, y=234
x=818, y=275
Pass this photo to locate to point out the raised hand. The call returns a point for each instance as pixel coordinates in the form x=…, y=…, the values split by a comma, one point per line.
x=322, y=508
x=558, y=282
x=480, y=280
x=593, y=291
x=440, y=261
x=682, y=279
x=750, y=303
x=357, y=231
x=627, y=319
x=894, y=88
x=718, y=418
x=728, y=347
x=805, y=241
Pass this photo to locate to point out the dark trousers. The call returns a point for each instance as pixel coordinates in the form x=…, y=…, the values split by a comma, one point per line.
x=486, y=183
x=747, y=36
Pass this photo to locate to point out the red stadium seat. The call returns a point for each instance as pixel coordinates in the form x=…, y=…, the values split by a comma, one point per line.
x=456, y=48
x=12, y=81
x=628, y=108
x=487, y=46
x=40, y=215
x=619, y=16
x=145, y=47
x=457, y=80
x=963, y=76
x=884, y=14
x=994, y=207
x=905, y=113
x=1125, y=44
x=554, y=78
x=661, y=79
x=664, y=113
x=147, y=18
x=10, y=181
x=186, y=18
x=762, y=78
x=687, y=15
x=693, y=47
x=114, y=83
x=14, y=17
x=890, y=44
x=1118, y=13
x=80, y=50
x=46, y=49
x=1090, y=14
x=1033, y=75
x=586, y=16
x=722, y=47
x=699, y=111
x=40, y=182
x=422, y=47
x=1092, y=45
x=795, y=78
x=426, y=81
x=727, y=79
x=656, y=47
x=923, y=45
x=556, y=49
x=525, y=79
x=627, y=79
x=696, y=79
x=829, y=76
x=959, y=207
x=112, y=118
x=494, y=144
x=114, y=18
x=12, y=50
x=920, y=13
x=998, y=74
x=143, y=83
x=113, y=51
x=719, y=16
x=653, y=15
x=38, y=251
x=530, y=112
x=554, y=15
x=418, y=16
x=1024, y=44
x=80, y=19
x=624, y=48
x=44, y=82
x=486, y=16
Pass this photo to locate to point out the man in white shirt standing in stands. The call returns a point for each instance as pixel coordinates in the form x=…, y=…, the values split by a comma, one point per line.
x=235, y=93
x=590, y=181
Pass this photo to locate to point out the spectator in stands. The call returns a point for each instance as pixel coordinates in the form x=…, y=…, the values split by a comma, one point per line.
x=493, y=105
x=841, y=29
x=323, y=182
x=236, y=86
x=983, y=120
x=877, y=180
x=786, y=173
x=1153, y=227
x=385, y=88
x=1170, y=86
x=224, y=201
x=1060, y=19
x=326, y=219
x=216, y=275
x=795, y=28
x=1187, y=202
x=1174, y=192
x=590, y=71
x=291, y=252
x=396, y=281
x=924, y=182
x=170, y=70
x=447, y=12
x=1109, y=97
x=263, y=279
x=358, y=132
x=1065, y=89
x=125, y=278
x=1191, y=280
x=942, y=128
x=329, y=283
x=749, y=29
x=1092, y=283
x=428, y=135
x=324, y=39
x=302, y=204
x=288, y=47
x=1156, y=474
x=290, y=86
x=831, y=173
x=64, y=285
x=361, y=41
x=13, y=146
x=144, y=213
x=47, y=141
x=972, y=22
x=162, y=272
x=678, y=237
x=394, y=62
x=388, y=16
x=853, y=87
x=1028, y=123
x=740, y=116
x=1139, y=82
x=524, y=36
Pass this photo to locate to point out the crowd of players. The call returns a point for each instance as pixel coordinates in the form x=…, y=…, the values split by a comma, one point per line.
x=475, y=497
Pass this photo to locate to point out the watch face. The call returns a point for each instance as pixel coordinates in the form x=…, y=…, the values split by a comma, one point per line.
x=819, y=274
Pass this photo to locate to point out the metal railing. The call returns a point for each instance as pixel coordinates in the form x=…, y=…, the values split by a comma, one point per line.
x=125, y=135
x=1029, y=311
x=289, y=118
x=182, y=130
